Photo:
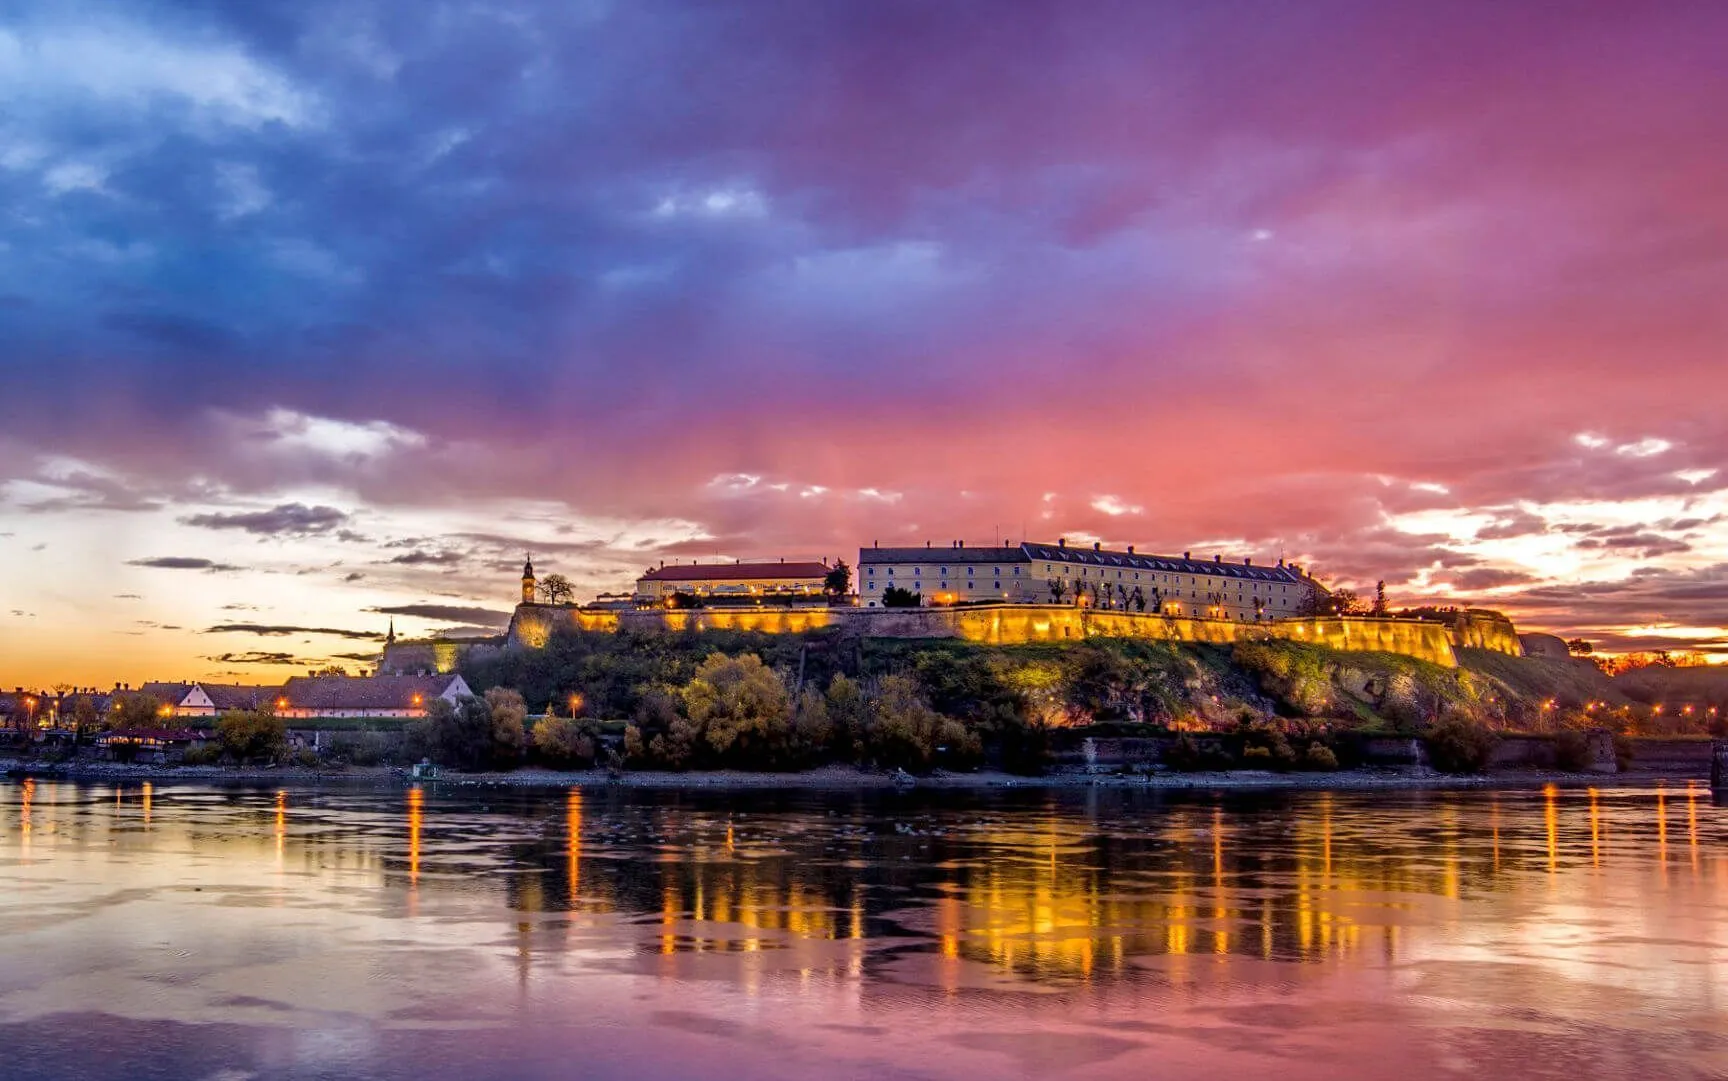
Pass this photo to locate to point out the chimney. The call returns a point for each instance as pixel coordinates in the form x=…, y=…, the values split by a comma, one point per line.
x=1185, y=555
x=1097, y=546
x=1248, y=561
x=1130, y=549
x=1061, y=542
x=1217, y=559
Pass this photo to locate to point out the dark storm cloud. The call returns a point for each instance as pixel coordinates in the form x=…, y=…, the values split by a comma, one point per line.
x=183, y=563
x=428, y=559
x=266, y=630
x=256, y=657
x=288, y=518
x=448, y=613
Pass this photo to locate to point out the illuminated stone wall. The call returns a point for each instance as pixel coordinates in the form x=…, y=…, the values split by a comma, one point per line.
x=1486, y=630
x=434, y=655
x=1006, y=625
x=1016, y=624
x=533, y=624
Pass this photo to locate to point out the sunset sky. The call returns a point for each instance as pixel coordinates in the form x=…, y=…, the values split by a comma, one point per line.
x=312, y=312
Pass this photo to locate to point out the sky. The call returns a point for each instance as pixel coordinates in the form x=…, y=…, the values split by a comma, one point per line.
x=320, y=313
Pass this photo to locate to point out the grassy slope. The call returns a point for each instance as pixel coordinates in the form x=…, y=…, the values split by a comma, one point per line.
x=1570, y=683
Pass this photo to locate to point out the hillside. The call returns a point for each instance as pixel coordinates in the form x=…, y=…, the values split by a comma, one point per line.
x=620, y=675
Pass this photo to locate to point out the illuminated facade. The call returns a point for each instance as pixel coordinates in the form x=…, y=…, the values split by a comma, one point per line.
x=1095, y=577
x=744, y=583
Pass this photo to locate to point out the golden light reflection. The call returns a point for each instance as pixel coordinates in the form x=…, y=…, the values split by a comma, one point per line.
x=1692, y=824
x=1551, y=820
x=416, y=810
x=28, y=795
x=1595, y=828
x=573, y=841
x=281, y=823
x=148, y=792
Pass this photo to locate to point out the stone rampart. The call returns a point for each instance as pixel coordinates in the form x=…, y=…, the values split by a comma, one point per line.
x=1486, y=630
x=1004, y=624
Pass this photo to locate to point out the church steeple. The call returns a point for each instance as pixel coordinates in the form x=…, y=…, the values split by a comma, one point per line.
x=528, y=580
x=390, y=639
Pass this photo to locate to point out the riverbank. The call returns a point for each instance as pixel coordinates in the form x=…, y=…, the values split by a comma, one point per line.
x=841, y=778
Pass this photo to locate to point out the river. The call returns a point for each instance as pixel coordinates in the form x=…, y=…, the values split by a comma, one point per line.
x=196, y=931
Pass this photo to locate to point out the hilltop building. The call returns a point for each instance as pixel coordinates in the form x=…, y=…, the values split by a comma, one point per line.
x=1097, y=577
x=739, y=581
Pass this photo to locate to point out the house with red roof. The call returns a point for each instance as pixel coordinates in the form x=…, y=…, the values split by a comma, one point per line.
x=365, y=696
x=743, y=583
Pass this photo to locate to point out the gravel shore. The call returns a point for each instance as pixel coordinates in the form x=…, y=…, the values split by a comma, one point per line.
x=836, y=778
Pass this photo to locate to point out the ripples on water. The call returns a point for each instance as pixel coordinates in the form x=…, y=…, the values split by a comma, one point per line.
x=189, y=931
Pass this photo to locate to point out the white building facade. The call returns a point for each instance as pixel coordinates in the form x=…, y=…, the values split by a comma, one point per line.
x=1037, y=573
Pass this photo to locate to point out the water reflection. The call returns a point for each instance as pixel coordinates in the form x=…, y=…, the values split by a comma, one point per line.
x=1527, y=913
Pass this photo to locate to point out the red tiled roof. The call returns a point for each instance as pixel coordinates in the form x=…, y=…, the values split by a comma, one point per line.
x=363, y=692
x=735, y=572
x=169, y=694
x=237, y=696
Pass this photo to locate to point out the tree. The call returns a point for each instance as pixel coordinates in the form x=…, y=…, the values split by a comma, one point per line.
x=849, y=713
x=250, y=735
x=85, y=720
x=895, y=597
x=563, y=741
x=133, y=710
x=838, y=582
x=508, y=735
x=1058, y=588
x=556, y=589
x=329, y=670
x=456, y=734
x=741, y=708
x=1459, y=745
x=1579, y=647
x=905, y=732
x=1380, y=598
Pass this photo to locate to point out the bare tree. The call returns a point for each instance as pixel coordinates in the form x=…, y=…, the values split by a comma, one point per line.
x=556, y=589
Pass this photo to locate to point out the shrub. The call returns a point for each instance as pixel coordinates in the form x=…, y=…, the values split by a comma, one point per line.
x=251, y=734
x=1459, y=745
x=561, y=741
x=360, y=748
x=1319, y=757
x=457, y=735
x=741, y=709
x=306, y=758
x=905, y=732
x=1257, y=757
x=1571, y=751
x=508, y=715
x=208, y=755
x=1187, y=754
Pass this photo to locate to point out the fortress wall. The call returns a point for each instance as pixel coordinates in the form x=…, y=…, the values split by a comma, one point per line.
x=1480, y=630
x=760, y=620
x=1006, y=624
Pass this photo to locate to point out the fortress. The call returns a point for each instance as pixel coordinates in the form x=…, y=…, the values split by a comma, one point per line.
x=1014, y=622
